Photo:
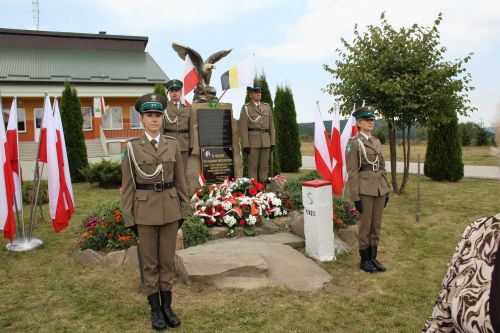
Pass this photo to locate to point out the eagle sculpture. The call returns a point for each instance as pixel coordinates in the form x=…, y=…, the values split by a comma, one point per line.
x=203, y=92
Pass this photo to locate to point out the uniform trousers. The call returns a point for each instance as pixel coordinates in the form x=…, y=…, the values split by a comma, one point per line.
x=370, y=220
x=258, y=161
x=157, y=245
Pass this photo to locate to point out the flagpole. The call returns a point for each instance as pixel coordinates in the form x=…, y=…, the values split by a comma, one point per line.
x=30, y=243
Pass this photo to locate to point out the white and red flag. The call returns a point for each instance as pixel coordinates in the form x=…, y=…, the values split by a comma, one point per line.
x=7, y=187
x=350, y=130
x=191, y=80
x=336, y=155
x=13, y=142
x=322, y=148
x=61, y=200
x=46, y=121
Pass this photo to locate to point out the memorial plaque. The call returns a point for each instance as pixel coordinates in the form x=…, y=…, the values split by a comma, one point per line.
x=214, y=128
x=217, y=163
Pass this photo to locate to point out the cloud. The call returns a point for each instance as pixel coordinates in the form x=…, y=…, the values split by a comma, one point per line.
x=316, y=34
x=149, y=15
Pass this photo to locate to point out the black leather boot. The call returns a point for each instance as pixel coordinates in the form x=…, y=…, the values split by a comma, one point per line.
x=157, y=320
x=170, y=316
x=375, y=262
x=366, y=262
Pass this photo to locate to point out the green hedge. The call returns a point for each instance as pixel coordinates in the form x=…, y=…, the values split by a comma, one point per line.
x=107, y=174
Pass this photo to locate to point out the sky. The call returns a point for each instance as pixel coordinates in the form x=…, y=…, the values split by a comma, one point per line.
x=289, y=40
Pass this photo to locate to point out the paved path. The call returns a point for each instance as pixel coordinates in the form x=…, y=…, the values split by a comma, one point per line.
x=470, y=171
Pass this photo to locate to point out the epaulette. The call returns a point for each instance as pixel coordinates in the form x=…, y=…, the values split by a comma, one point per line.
x=134, y=138
x=264, y=103
x=169, y=137
x=246, y=104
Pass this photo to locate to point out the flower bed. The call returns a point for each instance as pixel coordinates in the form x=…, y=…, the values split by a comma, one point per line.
x=344, y=213
x=103, y=229
x=235, y=202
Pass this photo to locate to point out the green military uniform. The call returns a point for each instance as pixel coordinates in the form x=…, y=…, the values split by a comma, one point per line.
x=178, y=123
x=257, y=133
x=368, y=187
x=154, y=198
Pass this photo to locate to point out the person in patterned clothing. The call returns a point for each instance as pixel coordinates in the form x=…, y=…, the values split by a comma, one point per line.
x=469, y=300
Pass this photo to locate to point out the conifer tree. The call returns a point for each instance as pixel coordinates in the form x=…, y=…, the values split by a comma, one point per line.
x=443, y=158
x=72, y=122
x=287, y=130
x=160, y=89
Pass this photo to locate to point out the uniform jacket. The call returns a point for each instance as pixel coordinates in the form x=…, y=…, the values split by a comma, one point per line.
x=184, y=122
x=369, y=182
x=254, y=139
x=463, y=303
x=148, y=207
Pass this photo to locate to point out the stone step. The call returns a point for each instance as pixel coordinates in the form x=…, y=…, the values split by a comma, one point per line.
x=28, y=149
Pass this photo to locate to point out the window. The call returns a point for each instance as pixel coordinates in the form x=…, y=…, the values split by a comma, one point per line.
x=113, y=119
x=135, y=119
x=21, y=119
x=87, y=118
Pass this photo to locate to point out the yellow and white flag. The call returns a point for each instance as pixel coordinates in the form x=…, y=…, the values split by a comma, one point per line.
x=240, y=75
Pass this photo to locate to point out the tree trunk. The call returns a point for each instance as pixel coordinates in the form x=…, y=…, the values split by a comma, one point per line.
x=406, y=153
x=392, y=148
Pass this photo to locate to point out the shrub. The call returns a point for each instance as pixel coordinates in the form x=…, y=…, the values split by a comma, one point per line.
x=104, y=230
x=293, y=189
x=107, y=174
x=43, y=193
x=194, y=231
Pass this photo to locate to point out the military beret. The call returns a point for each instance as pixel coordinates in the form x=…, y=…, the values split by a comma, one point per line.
x=366, y=112
x=151, y=103
x=174, y=85
x=254, y=89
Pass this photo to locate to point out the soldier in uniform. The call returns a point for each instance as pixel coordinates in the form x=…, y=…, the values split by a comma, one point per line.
x=368, y=186
x=257, y=134
x=155, y=203
x=177, y=121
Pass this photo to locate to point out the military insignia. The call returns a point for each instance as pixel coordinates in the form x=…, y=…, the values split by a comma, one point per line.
x=124, y=154
x=349, y=147
x=153, y=97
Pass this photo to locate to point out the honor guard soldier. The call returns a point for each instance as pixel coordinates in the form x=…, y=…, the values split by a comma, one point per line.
x=155, y=202
x=177, y=121
x=257, y=134
x=368, y=186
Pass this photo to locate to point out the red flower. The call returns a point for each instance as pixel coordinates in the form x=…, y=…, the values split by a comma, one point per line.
x=259, y=218
x=242, y=222
x=252, y=191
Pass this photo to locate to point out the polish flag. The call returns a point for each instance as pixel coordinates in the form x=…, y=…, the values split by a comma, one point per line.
x=13, y=142
x=61, y=200
x=321, y=148
x=191, y=80
x=336, y=156
x=349, y=131
x=7, y=187
x=46, y=120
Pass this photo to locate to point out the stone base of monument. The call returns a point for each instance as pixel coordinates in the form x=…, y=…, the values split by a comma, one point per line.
x=125, y=259
x=252, y=262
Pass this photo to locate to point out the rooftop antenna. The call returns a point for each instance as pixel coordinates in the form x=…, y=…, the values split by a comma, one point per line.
x=36, y=14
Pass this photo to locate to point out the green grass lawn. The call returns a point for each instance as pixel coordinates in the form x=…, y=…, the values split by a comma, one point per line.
x=470, y=155
x=47, y=291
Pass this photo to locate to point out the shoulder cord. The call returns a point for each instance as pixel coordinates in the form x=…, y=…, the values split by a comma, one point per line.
x=253, y=121
x=131, y=158
x=363, y=150
x=168, y=118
